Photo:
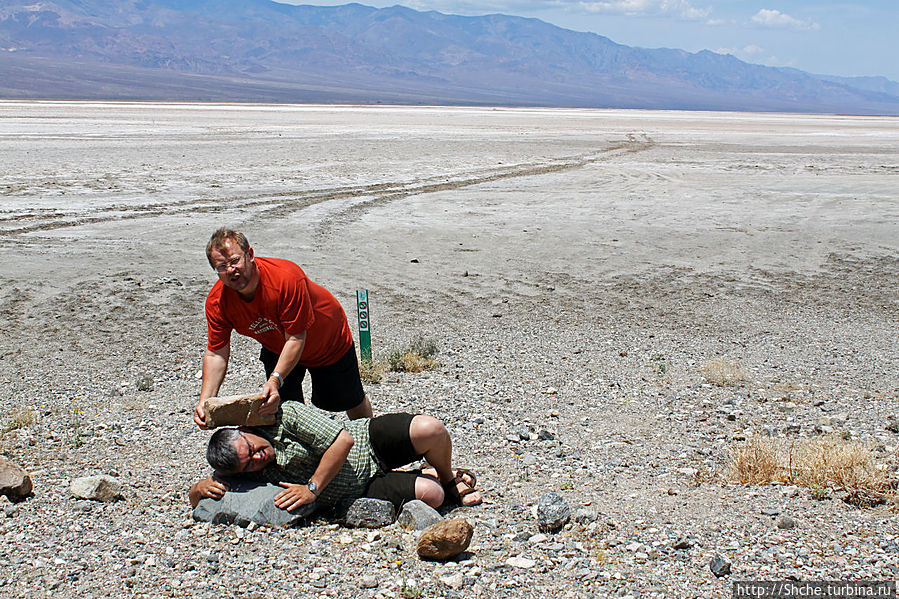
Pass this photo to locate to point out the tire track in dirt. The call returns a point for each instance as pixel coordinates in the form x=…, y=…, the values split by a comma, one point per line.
x=20, y=222
x=633, y=144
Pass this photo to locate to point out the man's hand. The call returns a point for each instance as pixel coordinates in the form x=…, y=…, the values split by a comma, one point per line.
x=272, y=397
x=287, y=359
x=211, y=487
x=293, y=496
x=200, y=416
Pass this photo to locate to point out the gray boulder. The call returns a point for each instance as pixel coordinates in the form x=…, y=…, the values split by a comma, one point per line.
x=553, y=512
x=96, y=488
x=418, y=515
x=366, y=512
x=246, y=502
x=14, y=482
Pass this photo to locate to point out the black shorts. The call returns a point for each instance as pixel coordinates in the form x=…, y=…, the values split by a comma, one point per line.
x=335, y=388
x=389, y=438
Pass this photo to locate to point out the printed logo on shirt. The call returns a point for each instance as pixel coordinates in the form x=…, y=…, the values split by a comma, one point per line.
x=262, y=325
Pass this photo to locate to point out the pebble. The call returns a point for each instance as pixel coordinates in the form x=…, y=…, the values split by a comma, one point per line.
x=520, y=562
x=368, y=581
x=145, y=382
x=785, y=522
x=720, y=566
x=453, y=581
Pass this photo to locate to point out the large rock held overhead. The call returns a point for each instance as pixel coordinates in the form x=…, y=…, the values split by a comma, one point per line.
x=14, y=482
x=445, y=540
x=236, y=410
x=246, y=502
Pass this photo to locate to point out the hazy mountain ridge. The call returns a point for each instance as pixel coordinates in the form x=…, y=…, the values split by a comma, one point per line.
x=257, y=49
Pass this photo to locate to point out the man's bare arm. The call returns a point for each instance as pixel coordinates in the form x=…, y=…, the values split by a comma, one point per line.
x=215, y=365
x=290, y=355
x=295, y=495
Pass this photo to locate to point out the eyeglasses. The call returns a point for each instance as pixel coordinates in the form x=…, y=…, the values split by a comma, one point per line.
x=224, y=266
x=251, y=451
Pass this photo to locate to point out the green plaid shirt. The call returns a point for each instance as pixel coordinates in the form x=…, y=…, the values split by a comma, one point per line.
x=302, y=434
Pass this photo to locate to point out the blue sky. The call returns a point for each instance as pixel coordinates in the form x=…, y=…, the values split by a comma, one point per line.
x=829, y=37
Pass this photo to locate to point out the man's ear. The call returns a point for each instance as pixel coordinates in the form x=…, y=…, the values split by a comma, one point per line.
x=250, y=254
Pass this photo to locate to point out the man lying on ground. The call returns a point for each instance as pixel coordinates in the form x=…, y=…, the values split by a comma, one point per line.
x=316, y=458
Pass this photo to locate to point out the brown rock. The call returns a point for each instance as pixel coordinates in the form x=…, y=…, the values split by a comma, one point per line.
x=236, y=410
x=445, y=539
x=14, y=482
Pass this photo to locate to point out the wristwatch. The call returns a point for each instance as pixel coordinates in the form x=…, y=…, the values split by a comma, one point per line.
x=313, y=488
x=280, y=378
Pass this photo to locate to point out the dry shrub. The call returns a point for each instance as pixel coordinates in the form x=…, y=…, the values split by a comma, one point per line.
x=418, y=356
x=19, y=417
x=754, y=462
x=406, y=361
x=835, y=462
x=372, y=371
x=425, y=347
x=817, y=463
x=724, y=373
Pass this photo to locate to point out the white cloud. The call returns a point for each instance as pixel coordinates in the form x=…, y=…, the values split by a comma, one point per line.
x=678, y=8
x=745, y=53
x=752, y=50
x=774, y=18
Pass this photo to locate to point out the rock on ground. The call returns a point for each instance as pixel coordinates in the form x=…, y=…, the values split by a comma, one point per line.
x=97, y=488
x=553, y=512
x=445, y=540
x=418, y=515
x=14, y=482
x=366, y=512
x=250, y=502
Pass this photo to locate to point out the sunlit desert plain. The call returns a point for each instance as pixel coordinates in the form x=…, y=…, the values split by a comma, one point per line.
x=623, y=302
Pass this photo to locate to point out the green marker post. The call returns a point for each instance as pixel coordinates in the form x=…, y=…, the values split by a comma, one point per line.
x=364, y=326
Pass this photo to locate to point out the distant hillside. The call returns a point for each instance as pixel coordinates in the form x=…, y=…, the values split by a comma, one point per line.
x=257, y=50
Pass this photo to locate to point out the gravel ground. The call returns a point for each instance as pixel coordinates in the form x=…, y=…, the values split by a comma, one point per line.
x=573, y=329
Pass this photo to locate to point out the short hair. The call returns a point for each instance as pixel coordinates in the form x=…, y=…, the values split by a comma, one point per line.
x=217, y=241
x=220, y=452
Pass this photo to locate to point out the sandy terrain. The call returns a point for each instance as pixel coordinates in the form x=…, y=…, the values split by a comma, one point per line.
x=582, y=263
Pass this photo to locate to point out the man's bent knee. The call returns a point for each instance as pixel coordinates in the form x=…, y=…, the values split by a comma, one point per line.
x=426, y=427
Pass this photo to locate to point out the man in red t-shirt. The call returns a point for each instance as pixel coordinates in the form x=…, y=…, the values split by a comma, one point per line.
x=299, y=324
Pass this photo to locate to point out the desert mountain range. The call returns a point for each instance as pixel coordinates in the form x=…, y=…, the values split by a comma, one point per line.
x=258, y=50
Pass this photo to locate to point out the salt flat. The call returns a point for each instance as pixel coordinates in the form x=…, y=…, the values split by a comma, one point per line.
x=585, y=262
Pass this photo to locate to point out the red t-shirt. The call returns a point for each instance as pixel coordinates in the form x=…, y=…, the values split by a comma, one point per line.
x=285, y=301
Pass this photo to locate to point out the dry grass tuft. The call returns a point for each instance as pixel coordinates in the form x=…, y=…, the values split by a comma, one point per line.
x=417, y=357
x=755, y=462
x=724, y=373
x=401, y=361
x=819, y=464
x=372, y=371
x=20, y=417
